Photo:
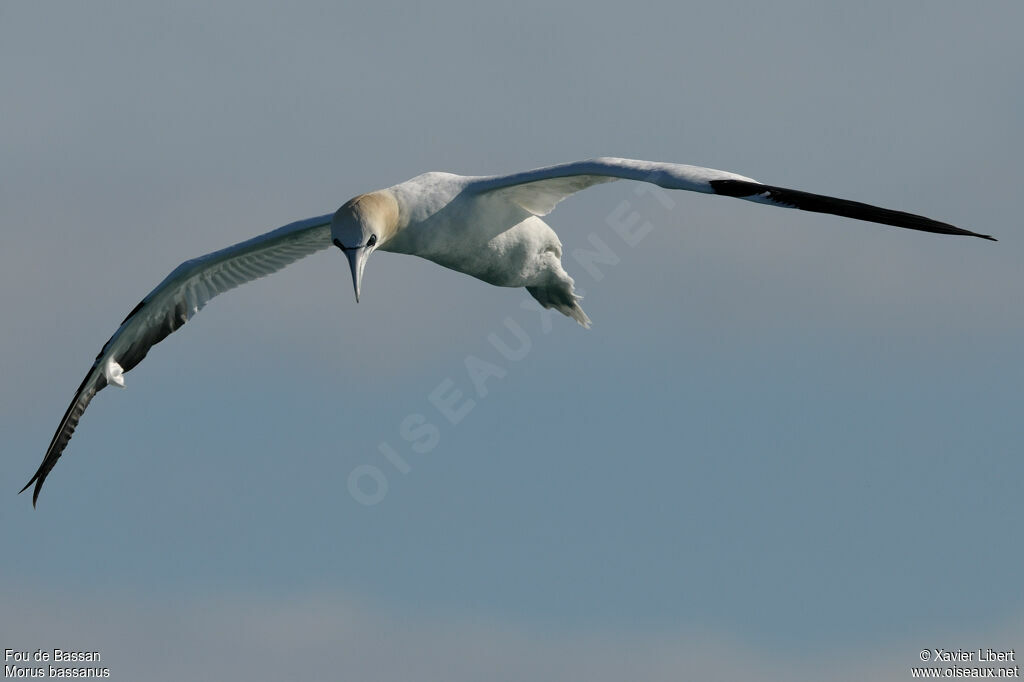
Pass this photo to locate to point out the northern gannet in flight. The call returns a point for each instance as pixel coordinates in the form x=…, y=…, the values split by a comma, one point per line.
x=484, y=226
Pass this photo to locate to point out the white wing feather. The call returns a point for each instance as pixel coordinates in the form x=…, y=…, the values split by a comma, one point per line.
x=540, y=190
x=174, y=301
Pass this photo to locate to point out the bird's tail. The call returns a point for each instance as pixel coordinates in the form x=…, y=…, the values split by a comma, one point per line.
x=563, y=300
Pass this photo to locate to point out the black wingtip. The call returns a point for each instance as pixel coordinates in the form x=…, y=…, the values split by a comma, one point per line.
x=819, y=203
x=968, y=233
x=35, y=493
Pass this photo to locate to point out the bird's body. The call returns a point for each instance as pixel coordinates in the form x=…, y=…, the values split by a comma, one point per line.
x=484, y=235
x=488, y=227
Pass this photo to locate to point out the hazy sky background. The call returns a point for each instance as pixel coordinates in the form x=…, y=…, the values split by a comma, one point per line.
x=789, y=448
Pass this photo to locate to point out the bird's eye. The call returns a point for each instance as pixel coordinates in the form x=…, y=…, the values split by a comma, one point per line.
x=372, y=240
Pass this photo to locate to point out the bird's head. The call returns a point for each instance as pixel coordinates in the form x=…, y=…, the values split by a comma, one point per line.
x=361, y=226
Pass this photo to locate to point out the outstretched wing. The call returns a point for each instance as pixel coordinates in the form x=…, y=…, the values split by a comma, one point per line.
x=182, y=294
x=539, y=191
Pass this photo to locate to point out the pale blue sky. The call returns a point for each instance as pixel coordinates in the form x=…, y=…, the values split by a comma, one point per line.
x=786, y=435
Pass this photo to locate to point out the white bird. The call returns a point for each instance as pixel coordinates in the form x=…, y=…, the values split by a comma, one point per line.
x=484, y=226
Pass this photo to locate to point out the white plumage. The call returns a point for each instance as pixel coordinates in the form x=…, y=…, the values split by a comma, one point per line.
x=485, y=226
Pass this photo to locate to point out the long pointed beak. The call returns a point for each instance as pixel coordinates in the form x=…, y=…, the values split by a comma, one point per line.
x=356, y=261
